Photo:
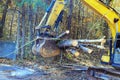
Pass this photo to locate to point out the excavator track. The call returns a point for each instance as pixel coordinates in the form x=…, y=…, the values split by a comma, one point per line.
x=96, y=73
x=104, y=73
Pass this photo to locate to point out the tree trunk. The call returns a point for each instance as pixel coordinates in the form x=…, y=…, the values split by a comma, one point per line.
x=23, y=31
x=31, y=25
x=2, y=22
x=70, y=14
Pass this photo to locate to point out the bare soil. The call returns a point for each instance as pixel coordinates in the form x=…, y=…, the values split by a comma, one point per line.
x=50, y=68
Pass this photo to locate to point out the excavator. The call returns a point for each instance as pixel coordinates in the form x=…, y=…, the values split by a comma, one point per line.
x=55, y=12
x=113, y=20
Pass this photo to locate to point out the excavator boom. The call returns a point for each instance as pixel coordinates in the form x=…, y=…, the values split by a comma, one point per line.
x=106, y=12
x=111, y=17
x=113, y=20
x=57, y=8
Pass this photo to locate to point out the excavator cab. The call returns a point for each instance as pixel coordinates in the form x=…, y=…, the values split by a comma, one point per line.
x=115, y=58
x=112, y=17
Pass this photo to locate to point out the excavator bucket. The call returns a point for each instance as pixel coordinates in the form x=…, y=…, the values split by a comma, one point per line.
x=7, y=49
x=46, y=49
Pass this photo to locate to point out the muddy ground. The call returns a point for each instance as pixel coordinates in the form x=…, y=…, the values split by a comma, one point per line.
x=53, y=68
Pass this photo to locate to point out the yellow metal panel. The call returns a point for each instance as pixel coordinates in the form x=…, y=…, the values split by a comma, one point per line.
x=57, y=8
x=106, y=13
x=105, y=59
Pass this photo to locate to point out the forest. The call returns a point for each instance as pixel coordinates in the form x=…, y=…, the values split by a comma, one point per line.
x=79, y=36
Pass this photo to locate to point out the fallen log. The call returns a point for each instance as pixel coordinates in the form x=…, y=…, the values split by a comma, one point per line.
x=96, y=46
x=68, y=43
x=102, y=40
x=74, y=43
x=85, y=49
x=73, y=52
x=63, y=34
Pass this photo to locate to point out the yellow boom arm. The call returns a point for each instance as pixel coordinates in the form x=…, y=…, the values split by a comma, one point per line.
x=106, y=12
x=57, y=8
x=111, y=17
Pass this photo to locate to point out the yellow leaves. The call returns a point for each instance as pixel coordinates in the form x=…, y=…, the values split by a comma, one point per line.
x=0, y=17
x=98, y=33
x=116, y=5
x=87, y=19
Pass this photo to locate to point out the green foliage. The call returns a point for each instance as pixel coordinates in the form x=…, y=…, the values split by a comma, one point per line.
x=1, y=2
x=35, y=3
x=40, y=3
x=1, y=6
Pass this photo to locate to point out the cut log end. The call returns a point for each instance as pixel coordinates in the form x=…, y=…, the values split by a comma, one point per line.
x=73, y=52
x=68, y=43
x=90, y=51
x=85, y=49
x=76, y=54
x=67, y=31
x=74, y=43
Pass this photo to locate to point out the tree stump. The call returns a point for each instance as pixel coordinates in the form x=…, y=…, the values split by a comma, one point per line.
x=48, y=49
